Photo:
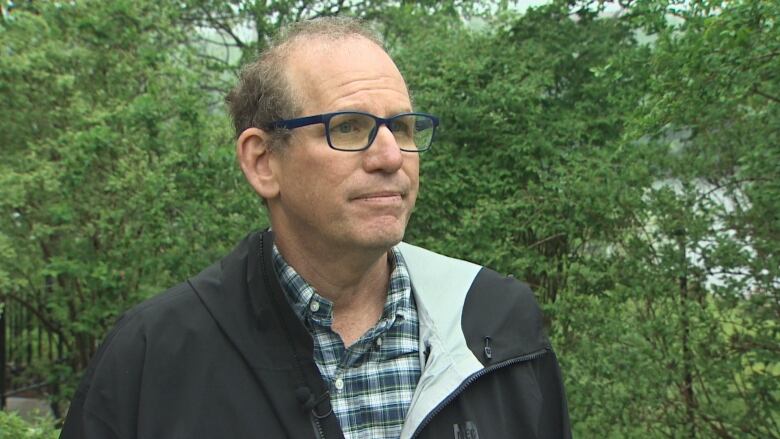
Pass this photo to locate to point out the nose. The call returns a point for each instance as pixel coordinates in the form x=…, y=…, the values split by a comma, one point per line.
x=384, y=154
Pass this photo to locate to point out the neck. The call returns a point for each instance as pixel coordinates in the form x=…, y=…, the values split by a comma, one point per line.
x=355, y=281
x=339, y=275
x=345, y=276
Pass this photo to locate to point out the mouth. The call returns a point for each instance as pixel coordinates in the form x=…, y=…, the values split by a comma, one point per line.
x=381, y=197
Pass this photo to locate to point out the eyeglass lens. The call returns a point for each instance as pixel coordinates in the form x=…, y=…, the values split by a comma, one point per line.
x=356, y=131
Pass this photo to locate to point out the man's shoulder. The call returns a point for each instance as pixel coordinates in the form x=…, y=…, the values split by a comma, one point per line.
x=438, y=268
x=160, y=303
x=189, y=307
x=433, y=274
x=159, y=306
x=485, y=303
x=177, y=307
x=432, y=260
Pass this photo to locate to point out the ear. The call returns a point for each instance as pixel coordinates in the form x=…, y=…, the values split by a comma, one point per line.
x=254, y=155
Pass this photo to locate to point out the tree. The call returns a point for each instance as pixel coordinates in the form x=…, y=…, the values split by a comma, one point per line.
x=230, y=33
x=689, y=347
x=111, y=161
x=597, y=157
x=524, y=175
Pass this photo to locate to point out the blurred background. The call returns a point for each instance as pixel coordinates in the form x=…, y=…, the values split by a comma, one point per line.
x=622, y=158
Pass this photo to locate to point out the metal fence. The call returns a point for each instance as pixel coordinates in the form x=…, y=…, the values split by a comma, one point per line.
x=27, y=349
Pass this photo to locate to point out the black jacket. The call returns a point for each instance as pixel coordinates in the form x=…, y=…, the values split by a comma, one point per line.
x=223, y=356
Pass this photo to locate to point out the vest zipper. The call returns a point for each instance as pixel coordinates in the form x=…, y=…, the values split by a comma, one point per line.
x=470, y=380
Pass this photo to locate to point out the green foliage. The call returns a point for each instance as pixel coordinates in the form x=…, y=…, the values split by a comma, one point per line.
x=525, y=155
x=14, y=427
x=696, y=284
x=112, y=159
x=616, y=172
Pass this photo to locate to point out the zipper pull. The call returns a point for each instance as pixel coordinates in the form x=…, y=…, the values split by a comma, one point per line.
x=488, y=349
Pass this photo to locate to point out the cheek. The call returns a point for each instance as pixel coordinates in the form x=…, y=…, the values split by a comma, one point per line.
x=341, y=171
x=412, y=169
x=298, y=186
x=321, y=185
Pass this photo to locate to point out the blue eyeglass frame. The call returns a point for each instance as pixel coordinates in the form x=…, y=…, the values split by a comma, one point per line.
x=326, y=117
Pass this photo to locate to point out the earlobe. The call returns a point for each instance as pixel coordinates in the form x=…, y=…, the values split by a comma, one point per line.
x=254, y=155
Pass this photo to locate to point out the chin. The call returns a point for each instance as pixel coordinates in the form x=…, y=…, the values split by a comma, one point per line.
x=382, y=239
x=383, y=242
x=378, y=233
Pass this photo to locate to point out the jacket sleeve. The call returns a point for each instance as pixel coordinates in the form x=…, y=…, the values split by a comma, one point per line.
x=80, y=424
x=105, y=404
x=554, y=421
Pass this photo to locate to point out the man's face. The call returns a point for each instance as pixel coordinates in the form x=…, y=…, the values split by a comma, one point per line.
x=338, y=199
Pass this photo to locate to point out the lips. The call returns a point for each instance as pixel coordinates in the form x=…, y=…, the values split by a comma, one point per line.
x=383, y=195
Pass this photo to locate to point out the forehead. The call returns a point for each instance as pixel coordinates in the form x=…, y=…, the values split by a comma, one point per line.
x=345, y=73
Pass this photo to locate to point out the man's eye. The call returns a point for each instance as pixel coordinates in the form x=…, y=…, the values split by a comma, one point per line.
x=345, y=127
x=350, y=126
x=400, y=126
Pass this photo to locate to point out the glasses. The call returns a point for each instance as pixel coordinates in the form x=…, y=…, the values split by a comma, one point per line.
x=356, y=131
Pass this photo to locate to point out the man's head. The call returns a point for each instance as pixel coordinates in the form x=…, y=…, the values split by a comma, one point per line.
x=264, y=93
x=319, y=196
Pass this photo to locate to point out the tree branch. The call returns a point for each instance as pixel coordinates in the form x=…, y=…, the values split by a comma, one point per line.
x=774, y=99
x=224, y=28
x=222, y=43
x=549, y=238
x=212, y=58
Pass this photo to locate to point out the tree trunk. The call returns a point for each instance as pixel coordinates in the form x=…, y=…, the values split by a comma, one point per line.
x=686, y=387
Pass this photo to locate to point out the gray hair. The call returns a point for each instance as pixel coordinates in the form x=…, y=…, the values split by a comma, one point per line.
x=263, y=93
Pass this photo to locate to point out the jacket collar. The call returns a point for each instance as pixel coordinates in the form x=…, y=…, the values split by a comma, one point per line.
x=245, y=299
x=237, y=294
x=458, y=304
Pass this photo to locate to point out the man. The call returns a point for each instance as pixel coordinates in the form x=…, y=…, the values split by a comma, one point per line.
x=325, y=326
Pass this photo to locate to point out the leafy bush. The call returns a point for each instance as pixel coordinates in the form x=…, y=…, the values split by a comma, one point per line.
x=14, y=427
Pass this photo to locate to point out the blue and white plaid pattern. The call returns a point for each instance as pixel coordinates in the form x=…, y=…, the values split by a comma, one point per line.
x=371, y=382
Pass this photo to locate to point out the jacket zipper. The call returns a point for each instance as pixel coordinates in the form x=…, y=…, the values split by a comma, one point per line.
x=319, y=433
x=315, y=421
x=470, y=380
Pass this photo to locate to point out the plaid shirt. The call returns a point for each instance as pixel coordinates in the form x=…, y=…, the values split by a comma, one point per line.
x=371, y=382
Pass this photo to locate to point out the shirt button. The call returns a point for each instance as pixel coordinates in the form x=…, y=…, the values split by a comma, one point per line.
x=339, y=384
x=379, y=342
x=314, y=306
